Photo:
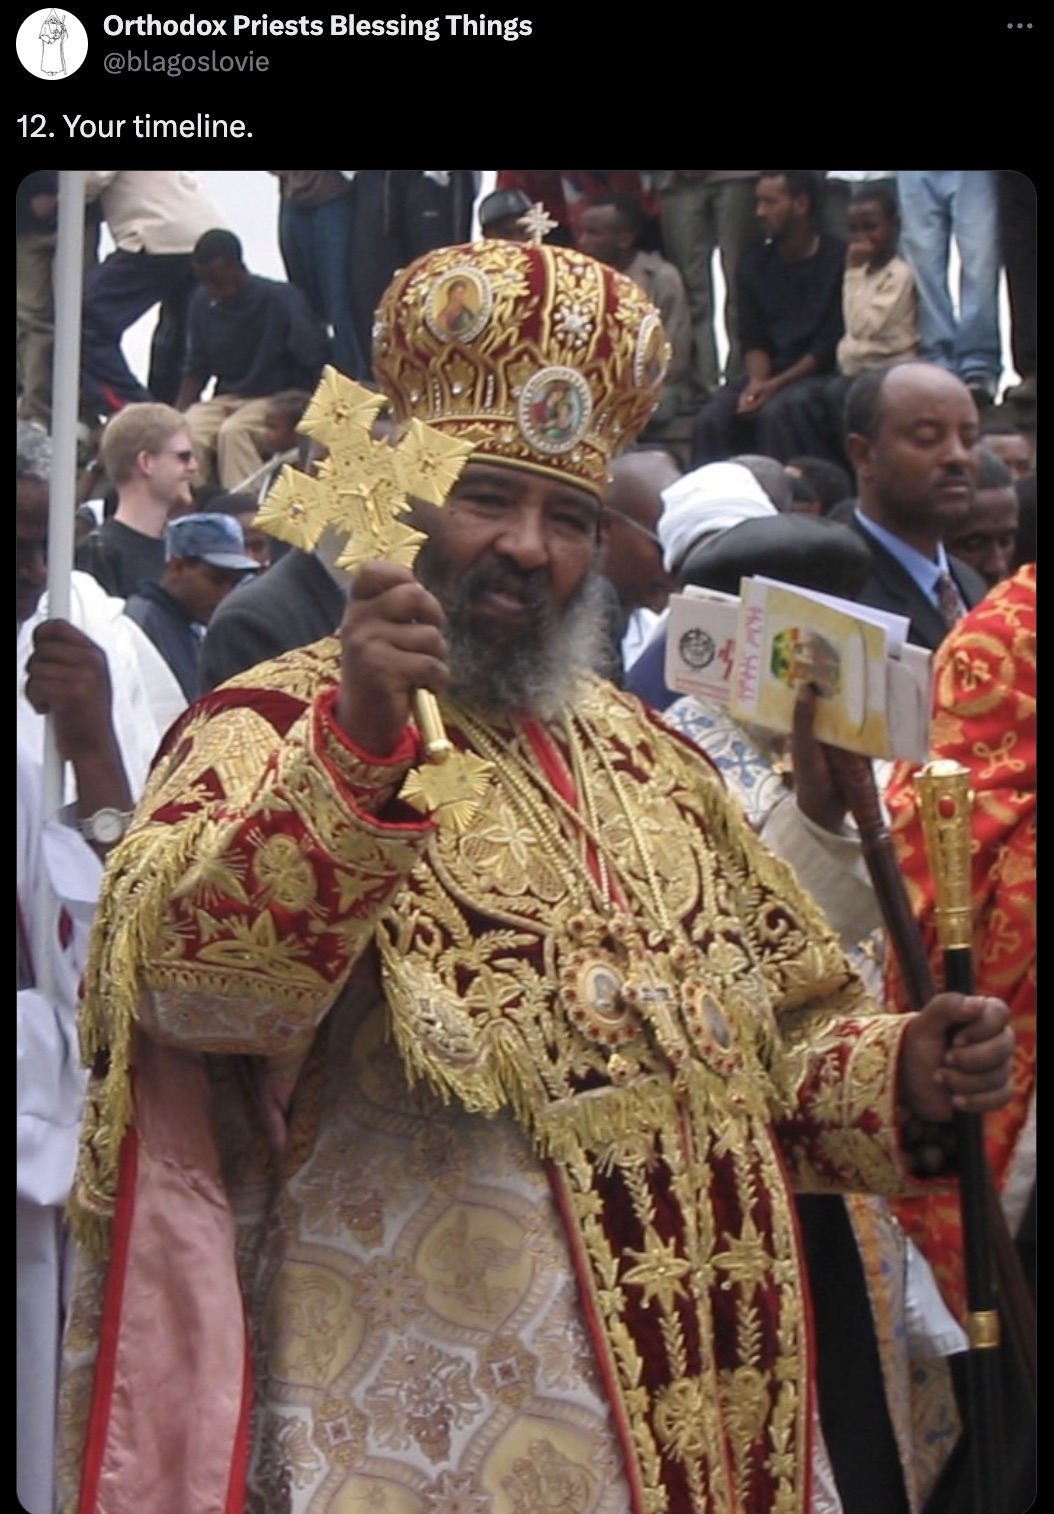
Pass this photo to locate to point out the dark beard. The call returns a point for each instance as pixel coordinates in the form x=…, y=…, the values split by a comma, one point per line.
x=533, y=673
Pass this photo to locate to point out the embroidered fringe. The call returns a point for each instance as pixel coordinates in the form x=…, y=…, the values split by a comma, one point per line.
x=128, y=917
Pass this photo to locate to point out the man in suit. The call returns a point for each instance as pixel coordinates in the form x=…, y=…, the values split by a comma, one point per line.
x=913, y=438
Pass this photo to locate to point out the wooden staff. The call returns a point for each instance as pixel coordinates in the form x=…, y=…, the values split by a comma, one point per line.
x=982, y=1215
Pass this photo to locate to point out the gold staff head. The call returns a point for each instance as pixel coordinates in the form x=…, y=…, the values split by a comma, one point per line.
x=945, y=801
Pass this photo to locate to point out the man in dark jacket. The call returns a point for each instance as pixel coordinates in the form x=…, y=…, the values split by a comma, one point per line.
x=205, y=558
x=255, y=337
x=914, y=441
x=790, y=322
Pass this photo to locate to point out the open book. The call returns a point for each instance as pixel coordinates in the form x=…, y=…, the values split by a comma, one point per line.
x=753, y=653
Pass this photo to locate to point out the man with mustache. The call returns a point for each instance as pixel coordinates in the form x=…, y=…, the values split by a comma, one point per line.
x=476, y=1132
x=914, y=441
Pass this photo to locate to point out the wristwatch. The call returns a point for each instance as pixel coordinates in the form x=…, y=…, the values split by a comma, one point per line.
x=106, y=826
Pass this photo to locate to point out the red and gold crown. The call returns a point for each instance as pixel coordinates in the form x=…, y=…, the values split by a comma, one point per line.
x=539, y=357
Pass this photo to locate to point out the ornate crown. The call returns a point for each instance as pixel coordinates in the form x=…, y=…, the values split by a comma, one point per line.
x=537, y=356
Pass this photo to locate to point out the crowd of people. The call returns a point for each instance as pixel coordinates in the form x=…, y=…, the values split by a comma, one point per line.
x=578, y=1148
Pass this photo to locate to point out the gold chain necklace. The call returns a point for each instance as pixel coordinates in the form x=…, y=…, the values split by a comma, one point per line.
x=617, y=973
x=542, y=804
x=582, y=783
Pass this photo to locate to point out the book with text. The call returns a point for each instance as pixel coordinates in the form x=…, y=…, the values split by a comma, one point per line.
x=754, y=653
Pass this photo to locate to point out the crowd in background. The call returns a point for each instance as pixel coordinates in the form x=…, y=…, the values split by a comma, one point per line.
x=827, y=277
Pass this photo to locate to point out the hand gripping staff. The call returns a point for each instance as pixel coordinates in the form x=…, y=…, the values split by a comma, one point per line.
x=944, y=799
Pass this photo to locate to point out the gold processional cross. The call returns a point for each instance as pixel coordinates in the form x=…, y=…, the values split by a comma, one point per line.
x=363, y=488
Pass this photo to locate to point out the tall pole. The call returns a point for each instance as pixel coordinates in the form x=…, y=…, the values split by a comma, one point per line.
x=65, y=392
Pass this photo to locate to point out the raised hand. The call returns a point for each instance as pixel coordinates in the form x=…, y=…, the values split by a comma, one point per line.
x=392, y=643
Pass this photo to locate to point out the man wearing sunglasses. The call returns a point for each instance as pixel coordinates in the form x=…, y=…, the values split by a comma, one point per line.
x=148, y=459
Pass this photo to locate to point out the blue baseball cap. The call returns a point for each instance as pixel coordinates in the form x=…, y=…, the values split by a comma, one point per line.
x=216, y=539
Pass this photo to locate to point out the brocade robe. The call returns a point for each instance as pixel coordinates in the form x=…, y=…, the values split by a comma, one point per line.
x=529, y=1245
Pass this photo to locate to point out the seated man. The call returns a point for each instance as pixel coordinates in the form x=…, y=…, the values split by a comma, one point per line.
x=255, y=337
x=790, y=323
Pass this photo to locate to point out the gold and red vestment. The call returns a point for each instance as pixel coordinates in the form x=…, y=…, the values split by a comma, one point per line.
x=605, y=979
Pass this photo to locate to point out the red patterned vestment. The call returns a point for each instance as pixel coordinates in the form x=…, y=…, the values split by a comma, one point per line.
x=985, y=719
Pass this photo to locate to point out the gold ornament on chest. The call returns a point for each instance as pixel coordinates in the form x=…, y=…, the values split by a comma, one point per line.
x=630, y=980
x=619, y=986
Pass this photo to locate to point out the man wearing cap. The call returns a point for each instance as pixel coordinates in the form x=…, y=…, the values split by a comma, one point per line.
x=501, y=215
x=459, y=1151
x=205, y=557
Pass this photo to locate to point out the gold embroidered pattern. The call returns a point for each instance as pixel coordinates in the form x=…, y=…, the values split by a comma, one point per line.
x=712, y=1004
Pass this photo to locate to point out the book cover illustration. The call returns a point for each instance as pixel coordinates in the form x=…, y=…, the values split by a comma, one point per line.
x=754, y=654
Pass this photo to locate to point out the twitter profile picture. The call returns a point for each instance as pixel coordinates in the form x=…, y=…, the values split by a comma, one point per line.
x=51, y=44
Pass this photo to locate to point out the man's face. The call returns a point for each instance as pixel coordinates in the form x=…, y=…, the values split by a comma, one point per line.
x=199, y=586
x=917, y=478
x=171, y=471
x=507, y=558
x=221, y=281
x=630, y=551
x=31, y=546
x=601, y=235
x=1014, y=451
x=873, y=231
x=988, y=536
x=775, y=207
